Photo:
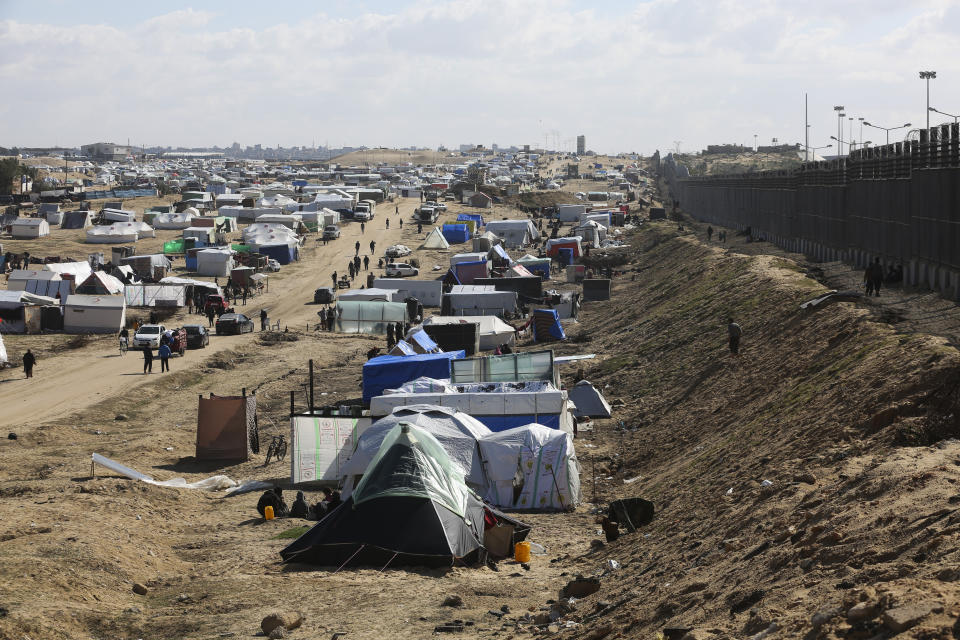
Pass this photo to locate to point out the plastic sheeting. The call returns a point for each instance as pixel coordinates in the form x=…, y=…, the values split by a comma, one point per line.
x=213, y=483
x=369, y=317
x=456, y=233
x=389, y=372
x=321, y=446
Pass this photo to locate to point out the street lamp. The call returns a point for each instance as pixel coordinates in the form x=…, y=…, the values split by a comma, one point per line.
x=943, y=113
x=887, y=129
x=928, y=76
x=839, y=138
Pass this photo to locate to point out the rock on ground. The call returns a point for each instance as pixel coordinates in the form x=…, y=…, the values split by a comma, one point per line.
x=289, y=620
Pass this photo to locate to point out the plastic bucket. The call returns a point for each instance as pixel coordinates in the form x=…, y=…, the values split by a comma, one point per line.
x=268, y=512
x=521, y=552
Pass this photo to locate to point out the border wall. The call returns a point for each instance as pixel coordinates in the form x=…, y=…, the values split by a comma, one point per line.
x=899, y=203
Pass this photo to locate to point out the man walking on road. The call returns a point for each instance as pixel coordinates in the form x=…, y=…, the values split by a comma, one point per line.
x=366, y=263
x=735, y=331
x=334, y=278
x=164, y=353
x=873, y=277
x=263, y=319
x=362, y=227
x=28, y=361
x=147, y=360
x=356, y=248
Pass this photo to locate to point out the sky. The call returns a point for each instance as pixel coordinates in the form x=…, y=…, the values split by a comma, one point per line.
x=630, y=76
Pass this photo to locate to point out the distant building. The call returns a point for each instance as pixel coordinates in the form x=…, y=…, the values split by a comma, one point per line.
x=581, y=145
x=105, y=151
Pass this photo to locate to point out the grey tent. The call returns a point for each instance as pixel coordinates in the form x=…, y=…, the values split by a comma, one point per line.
x=589, y=401
x=412, y=507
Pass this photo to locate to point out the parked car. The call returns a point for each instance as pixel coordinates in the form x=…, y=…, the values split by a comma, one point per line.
x=273, y=265
x=397, y=251
x=331, y=232
x=439, y=206
x=148, y=337
x=400, y=270
x=197, y=336
x=215, y=302
x=324, y=295
x=450, y=197
x=233, y=323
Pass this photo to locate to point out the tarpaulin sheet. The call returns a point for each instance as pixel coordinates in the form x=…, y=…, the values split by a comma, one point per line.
x=321, y=446
x=223, y=427
x=455, y=233
x=389, y=372
x=546, y=326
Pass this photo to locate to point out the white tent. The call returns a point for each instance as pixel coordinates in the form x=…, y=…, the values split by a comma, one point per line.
x=515, y=233
x=531, y=467
x=590, y=402
x=29, y=228
x=493, y=330
x=119, y=215
x=94, y=314
x=214, y=262
x=79, y=270
x=173, y=220
x=117, y=233
x=387, y=295
x=435, y=240
x=3, y=352
x=456, y=431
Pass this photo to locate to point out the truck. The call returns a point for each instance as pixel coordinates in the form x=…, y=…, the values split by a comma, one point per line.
x=427, y=215
x=371, y=207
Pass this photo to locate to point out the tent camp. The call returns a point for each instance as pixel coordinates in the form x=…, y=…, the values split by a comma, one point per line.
x=370, y=316
x=94, y=314
x=23, y=228
x=554, y=245
x=117, y=233
x=412, y=507
x=435, y=240
x=590, y=402
x=456, y=431
x=531, y=467
x=514, y=233
x=214, y=262
x=389, y=372
x=493, y=331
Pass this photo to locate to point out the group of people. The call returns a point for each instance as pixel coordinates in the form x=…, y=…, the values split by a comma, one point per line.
x=396, y=331
x=721, y=235
x=299, y=509
x=328, y=318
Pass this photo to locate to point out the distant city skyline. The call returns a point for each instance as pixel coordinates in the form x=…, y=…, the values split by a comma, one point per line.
x=631, y=76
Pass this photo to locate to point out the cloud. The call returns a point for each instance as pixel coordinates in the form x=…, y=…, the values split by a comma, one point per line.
x=431, y=72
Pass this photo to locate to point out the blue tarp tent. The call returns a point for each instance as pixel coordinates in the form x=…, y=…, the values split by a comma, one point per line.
x=455, y=233
x=282, y=253
x=546, y=326
x=476, y=217
x=390, y=372
x=423, y=341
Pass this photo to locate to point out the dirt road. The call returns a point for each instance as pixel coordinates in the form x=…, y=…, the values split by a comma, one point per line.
x=76, y=379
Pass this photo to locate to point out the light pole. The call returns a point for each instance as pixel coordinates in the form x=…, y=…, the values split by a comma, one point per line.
x=887, y=129
x=943, y=113
x=861, y=131
x=839, y=138
x=928, y=76
x=755, y=147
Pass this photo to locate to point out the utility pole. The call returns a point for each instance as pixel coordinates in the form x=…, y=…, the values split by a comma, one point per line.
x=928, y=76
x=806, y=129
x=840, y=114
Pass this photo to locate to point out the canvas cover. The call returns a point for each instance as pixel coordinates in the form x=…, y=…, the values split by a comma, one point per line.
x=76, y=220
x=411, y=507
x=590, y=402
x=389, y=372
x=224, y=424
x=457, y=432
x=321, y=446
x=546, y=326
x=369, y=316
x=456, y=233
x=531, y=467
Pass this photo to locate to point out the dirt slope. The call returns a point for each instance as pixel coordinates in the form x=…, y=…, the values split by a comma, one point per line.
x=815, y=471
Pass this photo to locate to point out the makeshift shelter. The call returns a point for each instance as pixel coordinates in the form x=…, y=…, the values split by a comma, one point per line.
x=545, y=324
x=174, y=220
x=455, y=233
x=555, y=244
x=77, y=220
x=224, y=425
x=322, y=445
x=499, y=257
x=492, y=331
x=412, y=507
x=525, y=366
x=385, y=295
x=118, y=215
x=26, y=228
x=389, y=372
x=153, y=266
x=467, y=272
x=113, y=234
x=22, y=312
x=53, y=216
x=514, y=233
x=590, y=402
x=94, y=314
x=476, y=218
x=369, y=316
x=201, y=235
x=596, y=289
x=536, y=266
x=427, y=292
x=468, y=257
x=435, y=240
x=100, y=283
x=570, y=212
x=531, y=467
x=472, y=300
x=43, y=283
x=215, y=262
x=456, y=431
x=485, y=241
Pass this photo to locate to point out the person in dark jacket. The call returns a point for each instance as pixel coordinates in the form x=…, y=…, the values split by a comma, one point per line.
x=299, y=507
x=148, y=360
x=331, y=316
x=263, y=319
x=273, y=498
x=29, y=360
x=735, y=332
x=164, y=353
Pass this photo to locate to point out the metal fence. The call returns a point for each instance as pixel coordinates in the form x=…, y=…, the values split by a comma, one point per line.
x=899, y=203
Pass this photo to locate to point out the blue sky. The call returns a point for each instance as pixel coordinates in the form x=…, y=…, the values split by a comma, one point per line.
x=629, y=75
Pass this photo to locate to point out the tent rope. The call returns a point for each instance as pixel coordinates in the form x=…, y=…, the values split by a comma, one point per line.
x=388, y=562
x=349, y=559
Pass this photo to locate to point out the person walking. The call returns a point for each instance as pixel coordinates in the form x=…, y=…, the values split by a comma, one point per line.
x=334, y=278
x=29, y=360
x=366, y=263
x=148, y=360
x=396, y=209
x=401, y=223
x=388, y=223
x=419, y=227
x=164, y=353
x=873, y=277
x=264, y=319
x=709, y=233
x=373, y=246
x=210, y=314
x=356, y=248
x=351, y=270
x=735, y=332
x=363, y=226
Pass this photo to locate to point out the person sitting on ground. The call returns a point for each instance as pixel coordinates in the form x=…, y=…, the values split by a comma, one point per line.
x=299, y=507
x=273, y=498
